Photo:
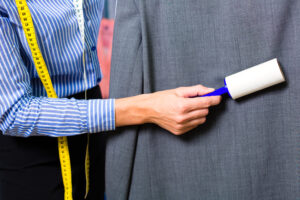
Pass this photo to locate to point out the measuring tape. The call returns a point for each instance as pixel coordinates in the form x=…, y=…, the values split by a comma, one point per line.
x=43, y=73
x=78, y=5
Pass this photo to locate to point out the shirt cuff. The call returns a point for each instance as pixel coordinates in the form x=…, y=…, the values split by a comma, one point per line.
x=101, y=115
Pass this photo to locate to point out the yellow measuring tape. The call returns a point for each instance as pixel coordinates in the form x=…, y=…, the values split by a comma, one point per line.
x=43, y=73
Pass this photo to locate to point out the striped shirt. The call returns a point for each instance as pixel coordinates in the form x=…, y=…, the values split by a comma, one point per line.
x=67, y=33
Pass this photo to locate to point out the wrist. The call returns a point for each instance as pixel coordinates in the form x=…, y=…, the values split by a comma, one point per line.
x=133, y=110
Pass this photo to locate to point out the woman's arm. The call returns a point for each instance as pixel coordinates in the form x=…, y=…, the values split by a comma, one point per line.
x=172, y=110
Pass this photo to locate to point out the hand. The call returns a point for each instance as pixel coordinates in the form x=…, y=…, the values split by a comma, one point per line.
x=175, y=111
x=172, y=110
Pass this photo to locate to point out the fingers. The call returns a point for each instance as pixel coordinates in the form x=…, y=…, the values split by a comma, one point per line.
x=197, y=102
x=176, y=112
x=189, y=121
x=181, y=129
x=208, y=101
x=202, y=102
x=197, y=122
x=196, y=114
x=193, y=91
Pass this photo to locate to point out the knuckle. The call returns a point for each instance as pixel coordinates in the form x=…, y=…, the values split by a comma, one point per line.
x=200, y=87
x=179, y=119
x=179, y=90
x=178, y=127
x=176, y=132
x=182, y=107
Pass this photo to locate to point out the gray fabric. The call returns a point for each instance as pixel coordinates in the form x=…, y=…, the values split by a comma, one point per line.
x=248, y=149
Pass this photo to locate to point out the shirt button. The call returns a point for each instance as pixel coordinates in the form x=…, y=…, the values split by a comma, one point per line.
x=93, y=48
x=89, y=23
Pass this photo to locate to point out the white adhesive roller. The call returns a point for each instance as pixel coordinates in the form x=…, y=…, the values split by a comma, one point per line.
x=254, y=79
x=251, y=80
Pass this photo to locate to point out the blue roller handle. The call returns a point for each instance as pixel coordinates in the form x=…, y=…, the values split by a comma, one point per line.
x=218, y=92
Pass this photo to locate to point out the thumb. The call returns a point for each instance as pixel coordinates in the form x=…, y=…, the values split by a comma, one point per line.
x=194, y=91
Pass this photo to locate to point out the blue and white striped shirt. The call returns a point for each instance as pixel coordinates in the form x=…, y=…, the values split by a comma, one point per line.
x=68, y=46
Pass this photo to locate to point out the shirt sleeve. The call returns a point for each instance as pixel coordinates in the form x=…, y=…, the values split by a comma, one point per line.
x=22, y=114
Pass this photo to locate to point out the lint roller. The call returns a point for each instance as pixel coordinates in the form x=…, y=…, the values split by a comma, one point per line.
x=251, y=80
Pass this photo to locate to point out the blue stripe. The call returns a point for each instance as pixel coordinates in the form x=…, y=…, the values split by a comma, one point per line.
x=24, y=108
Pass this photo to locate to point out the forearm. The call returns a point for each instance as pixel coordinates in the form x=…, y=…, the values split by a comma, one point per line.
x=133, y=110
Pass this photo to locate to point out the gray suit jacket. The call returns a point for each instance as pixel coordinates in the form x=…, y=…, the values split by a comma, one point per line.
x=248, y=149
